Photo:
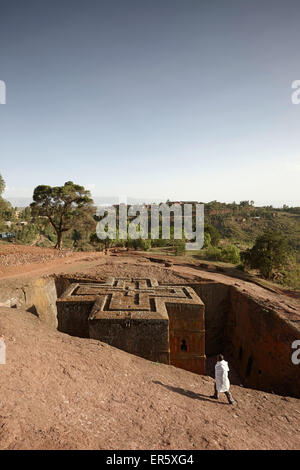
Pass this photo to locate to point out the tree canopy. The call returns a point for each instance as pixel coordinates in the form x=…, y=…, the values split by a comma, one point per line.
x=214, y=234
x=62, y=205
x=2, y=185
x=269, y=252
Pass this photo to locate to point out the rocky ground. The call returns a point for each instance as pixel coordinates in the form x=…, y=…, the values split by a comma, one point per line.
x=18, y=255
x=18, y=260
x=60, y=392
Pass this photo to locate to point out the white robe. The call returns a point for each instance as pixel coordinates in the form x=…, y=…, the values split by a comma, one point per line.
x=221, y=375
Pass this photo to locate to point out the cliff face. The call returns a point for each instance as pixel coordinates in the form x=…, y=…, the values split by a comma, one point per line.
x=253, y=335
x=216, y=299
x=259, y=341
x=62, y=392
x=37, y=296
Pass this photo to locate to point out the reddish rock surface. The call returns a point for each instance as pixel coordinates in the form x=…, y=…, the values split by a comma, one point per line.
x=17, y=260
x=60, y=392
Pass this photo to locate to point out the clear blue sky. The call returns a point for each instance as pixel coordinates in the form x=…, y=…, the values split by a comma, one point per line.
x=179, y=99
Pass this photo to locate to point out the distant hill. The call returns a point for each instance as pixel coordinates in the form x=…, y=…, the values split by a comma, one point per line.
x=109, y=200
x=244, y=225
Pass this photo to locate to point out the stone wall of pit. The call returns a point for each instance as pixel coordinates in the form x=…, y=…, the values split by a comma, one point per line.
x=216, y=299
x=37, y=296
x=258, y=341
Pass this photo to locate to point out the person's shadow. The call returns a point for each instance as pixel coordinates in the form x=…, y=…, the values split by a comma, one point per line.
x=189, y=393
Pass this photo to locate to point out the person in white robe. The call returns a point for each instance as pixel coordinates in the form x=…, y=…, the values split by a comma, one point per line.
x=222, y=383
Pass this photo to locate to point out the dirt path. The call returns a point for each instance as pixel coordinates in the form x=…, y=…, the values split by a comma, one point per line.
x=24, y=260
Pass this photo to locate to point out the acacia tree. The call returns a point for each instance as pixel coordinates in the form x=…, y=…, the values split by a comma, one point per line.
x=6, y=211
x=269, y=252
x=63, y=205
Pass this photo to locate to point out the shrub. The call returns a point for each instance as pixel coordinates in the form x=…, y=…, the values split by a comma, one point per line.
x=270, y=252
x=230, y=254
x=139, y=244
x=207, y=240
x=214, y=234
x=213, y=253
x=179, y=246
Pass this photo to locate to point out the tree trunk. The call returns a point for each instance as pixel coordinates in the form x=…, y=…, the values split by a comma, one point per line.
x=58, y=245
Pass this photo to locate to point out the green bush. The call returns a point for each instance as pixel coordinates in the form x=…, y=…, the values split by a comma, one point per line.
x=230, y=254
x=269, y=253
x=213, y=232
x=213, y=253
x=207, y=240
x=139, y=244
x=27, y=234
x=179, y=246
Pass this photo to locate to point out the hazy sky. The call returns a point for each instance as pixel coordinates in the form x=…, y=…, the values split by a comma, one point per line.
x=179, y=99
